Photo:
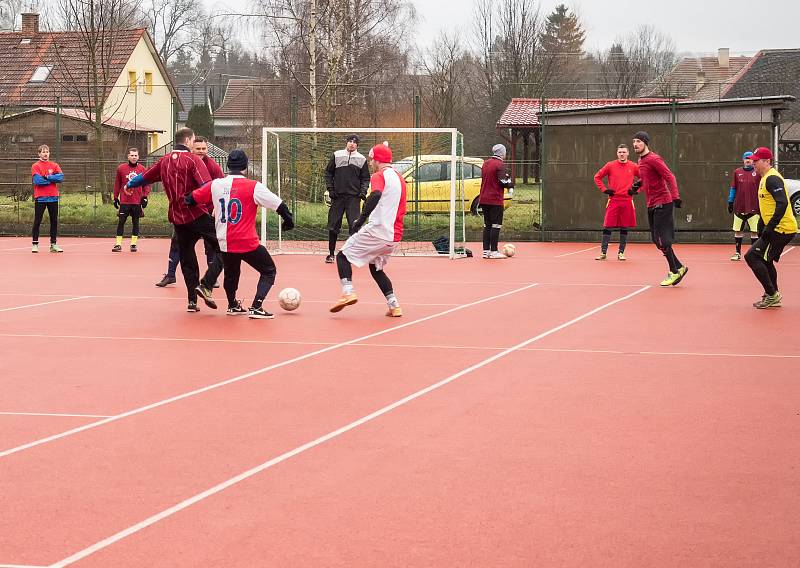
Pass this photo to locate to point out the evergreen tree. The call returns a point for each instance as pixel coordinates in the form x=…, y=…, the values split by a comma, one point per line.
x=201, y=121
x=562, y=44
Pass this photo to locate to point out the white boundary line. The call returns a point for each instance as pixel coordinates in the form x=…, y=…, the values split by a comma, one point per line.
x=322, y=439
x=54, y=414
x=43, y=303
x=20, y=566
x=576, y=252
x=244, y=376
x=787, y=251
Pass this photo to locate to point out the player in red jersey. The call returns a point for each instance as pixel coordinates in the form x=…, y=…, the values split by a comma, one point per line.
x=130, y=201
x=46, y=176
x=181, y=172
x=199, y=148
x=743, y=203
x=235, y=201
x=378, y=232
x=620, y=212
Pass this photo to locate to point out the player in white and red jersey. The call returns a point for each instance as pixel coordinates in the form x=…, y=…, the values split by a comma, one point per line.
x=378, y=232
x=236, y=200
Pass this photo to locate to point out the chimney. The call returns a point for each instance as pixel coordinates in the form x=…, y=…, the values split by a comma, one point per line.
x=30, y=24
x=701, y=80
x=724, y=57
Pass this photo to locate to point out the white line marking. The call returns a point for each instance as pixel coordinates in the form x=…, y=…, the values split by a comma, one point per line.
x=244, y=376
x=45, y=247
x=20, y=566
x=787, y=251
x=43, y=303
x=576, y=252
x=105, y=543
x=54, y=414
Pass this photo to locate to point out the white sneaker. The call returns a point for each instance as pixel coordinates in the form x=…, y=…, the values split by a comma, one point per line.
x=486, y=254
x=496, y=254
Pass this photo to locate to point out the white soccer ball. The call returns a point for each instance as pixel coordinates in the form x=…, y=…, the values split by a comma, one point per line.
x=289, y=299
x=509, y=250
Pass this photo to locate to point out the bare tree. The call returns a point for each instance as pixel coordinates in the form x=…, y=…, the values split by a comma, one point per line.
x=444, y=81
x=173, y=25
x=637, y=64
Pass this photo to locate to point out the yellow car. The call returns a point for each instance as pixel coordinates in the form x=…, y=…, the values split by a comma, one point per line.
x=431, y=189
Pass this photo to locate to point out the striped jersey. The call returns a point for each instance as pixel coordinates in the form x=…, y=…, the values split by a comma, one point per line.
x=386, y=220
x=236, y=200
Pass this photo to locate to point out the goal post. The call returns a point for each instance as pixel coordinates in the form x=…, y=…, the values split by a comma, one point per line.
x=431, y=160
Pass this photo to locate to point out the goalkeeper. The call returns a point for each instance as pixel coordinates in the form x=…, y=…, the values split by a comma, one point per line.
x=347, y=181
x=235, y=200
x=620, y=212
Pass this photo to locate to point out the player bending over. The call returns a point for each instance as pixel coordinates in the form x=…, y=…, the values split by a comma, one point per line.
x=378, y=232
x=236, y=200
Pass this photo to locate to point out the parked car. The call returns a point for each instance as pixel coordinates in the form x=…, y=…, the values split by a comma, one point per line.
x=793, y=187
x=434, y=184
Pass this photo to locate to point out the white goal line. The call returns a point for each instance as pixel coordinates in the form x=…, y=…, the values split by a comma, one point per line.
x=297, y=129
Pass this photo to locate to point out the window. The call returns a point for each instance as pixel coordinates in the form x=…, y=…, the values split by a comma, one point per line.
x=41, y=74
x=131, y=81
x=153, y=139
x=430, y=172
x=81, y=138
x=74, y=137
x=67, y=137
x=22, y=139
x=148, y=83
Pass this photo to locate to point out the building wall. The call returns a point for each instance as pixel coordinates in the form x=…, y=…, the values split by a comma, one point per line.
x=703, y=157
x=153, y=109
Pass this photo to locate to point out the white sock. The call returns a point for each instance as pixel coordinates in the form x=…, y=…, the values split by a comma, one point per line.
x=391, y=300
x=347, y=286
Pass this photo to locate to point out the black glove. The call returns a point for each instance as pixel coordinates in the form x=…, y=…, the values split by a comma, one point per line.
x=116, y=203
x=144, y=202
x=730, y=207
x=358, y=224
x=362, y=196
x=609, y=192
x=678, y=203
x=188, y=199
x=286, y=215
x=635, y=187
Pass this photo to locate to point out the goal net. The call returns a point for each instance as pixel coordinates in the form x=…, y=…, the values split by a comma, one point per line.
x=293, y=162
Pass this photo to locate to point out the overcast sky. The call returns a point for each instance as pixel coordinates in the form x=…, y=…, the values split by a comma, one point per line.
x=695, y=25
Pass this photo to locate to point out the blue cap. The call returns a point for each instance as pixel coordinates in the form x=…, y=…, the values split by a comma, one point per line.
x=747, y=155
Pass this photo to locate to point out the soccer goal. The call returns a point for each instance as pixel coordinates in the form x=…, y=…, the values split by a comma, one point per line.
x=293, y=162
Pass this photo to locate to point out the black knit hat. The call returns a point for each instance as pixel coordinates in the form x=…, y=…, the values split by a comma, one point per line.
x=352, y=138
x=643, y=136
x=237, y=161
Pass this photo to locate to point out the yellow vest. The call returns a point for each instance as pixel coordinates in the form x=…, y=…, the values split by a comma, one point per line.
x=766, y=205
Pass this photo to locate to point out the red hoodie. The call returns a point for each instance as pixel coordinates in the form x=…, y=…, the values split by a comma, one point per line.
x=658, y=182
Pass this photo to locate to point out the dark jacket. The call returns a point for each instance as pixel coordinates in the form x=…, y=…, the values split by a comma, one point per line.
x=347, y=174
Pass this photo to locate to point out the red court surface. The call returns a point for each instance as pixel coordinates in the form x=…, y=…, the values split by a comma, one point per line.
x=544, y=410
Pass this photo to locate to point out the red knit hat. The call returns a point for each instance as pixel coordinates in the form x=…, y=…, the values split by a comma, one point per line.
x=381, y=153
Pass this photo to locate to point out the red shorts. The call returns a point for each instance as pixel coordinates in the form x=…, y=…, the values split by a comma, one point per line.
x=620, y=213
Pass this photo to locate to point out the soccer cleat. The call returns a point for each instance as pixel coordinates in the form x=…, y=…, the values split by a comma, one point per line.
x=736, y=256
x=767, y=301
x=621, y=256
x=35, y=247
x=394, y=312
x=117, y=248
x=192, y=307
x=205, y=293
x=134, y=248
x=329, y=259
x=668, y=281
x=345, y=300
x=236, y=310
x=496, y=254
x=601, y=256
x=55, y=248
x=216, y=284
x=166, y=281
x=259, y=313
x=681, y=273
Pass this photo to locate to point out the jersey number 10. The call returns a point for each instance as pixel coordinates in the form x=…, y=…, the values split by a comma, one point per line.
x=233, y=210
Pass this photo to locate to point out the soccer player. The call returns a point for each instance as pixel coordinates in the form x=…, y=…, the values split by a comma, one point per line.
x=46, y=176
x=620, y=212
x=182, y=172
x=199, y=148
x=347, y=180
x=780, y=228
x=378, y=232
x=235, y=200
x=129, y=201
x=661, y=194
x=494, y=180
x=743, y=203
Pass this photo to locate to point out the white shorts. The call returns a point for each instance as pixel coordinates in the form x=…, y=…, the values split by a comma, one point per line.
x=363, y=248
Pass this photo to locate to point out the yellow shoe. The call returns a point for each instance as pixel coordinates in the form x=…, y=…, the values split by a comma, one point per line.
x=670, y=279
x=395, y=312
x=345, y=300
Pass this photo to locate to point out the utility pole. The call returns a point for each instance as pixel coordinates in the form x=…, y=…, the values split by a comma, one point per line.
x=312, y=65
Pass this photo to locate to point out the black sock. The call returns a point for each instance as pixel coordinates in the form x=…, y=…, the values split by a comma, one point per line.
x=486, y=238
x=623, y=239
x=738, y=244
x=606, y=240
x=494, y=238
x=332, y=242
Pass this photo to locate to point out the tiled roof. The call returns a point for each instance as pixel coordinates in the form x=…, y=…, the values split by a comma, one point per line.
x=191, y=96
x=525, y=112
x=683, y=78
x=251, y=98
x=80, y=114
x=770, y=72
x=65, y=52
